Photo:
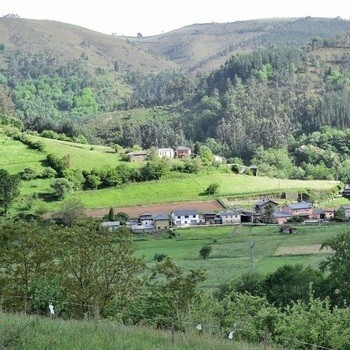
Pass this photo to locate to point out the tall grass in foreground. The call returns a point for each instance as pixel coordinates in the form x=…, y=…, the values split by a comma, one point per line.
x=37, y=333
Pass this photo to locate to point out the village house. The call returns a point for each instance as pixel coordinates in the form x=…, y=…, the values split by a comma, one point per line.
x=230, y=217
x=186, y=217
x=211, y=218
x=111, y=225
x=165, y=153
x=321, y=214
x=138, y=156
x=261, y=205
x=346, y=208
x=217, y=159
x=247, y=216
x=182, y=152
x=303, y=209
x=161, y=222
x=146, y=219
x=280, y=217
x=346, y=191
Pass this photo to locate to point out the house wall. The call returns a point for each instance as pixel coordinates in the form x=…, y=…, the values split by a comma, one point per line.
x=281, y=221
x=296, y=212
x=347, y=212
x=183, y=153
x=185, y=220
x=161, y=225
x=165, y=153
x=231, y=219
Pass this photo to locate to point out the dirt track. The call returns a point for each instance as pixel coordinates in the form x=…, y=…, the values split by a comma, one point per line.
x=158, y=208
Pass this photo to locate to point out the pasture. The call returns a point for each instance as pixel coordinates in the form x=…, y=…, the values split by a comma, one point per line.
x=238, y=249
x=173, y=187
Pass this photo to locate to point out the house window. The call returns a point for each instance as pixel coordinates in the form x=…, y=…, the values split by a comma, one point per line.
x=186, y=216
x=179, y=217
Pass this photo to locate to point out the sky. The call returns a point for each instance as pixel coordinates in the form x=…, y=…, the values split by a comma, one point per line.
x=152, y=17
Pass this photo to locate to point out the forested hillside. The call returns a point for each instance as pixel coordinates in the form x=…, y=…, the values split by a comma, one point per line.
x=283, y=107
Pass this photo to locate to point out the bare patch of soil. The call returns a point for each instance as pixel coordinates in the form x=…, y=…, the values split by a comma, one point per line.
x=302, y=250
x=201, y=206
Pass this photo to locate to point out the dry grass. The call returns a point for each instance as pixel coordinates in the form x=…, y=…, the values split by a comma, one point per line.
x=301, y=250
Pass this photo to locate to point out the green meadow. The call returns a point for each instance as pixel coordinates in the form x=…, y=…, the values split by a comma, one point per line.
x=191, y=187
x=238, y=249
x=175, y=187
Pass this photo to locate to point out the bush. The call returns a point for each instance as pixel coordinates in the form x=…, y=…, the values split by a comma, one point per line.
x=29, y=174
x=212, y=188
x=159, y=257
x=235, y=168
x=61, y=188
x=205, y=251
x=48, y=173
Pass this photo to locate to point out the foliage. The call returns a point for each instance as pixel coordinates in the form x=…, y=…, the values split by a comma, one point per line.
x=9, y=188
x=291, y=283
x=71, y=212
x=212, y=188
x=26, y=255
x=61, y=187
x=111, y=216
x=205, y=251
x=338, y=280
x=159, y=257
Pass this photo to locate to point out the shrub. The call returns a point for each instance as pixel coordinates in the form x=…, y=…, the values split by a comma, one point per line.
x=212, y=188
x=29, y=174
x=48, y=173
x=205, y=251
x=159, y=257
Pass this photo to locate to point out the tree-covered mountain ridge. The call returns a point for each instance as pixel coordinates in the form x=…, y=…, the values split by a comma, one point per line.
x=279, y=105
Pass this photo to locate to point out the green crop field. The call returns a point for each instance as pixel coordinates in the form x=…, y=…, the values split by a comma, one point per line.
x=238, y=249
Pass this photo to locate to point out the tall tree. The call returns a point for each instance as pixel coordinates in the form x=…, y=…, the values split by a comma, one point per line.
x=338, y=265
x=26, y=253
x=9, y=188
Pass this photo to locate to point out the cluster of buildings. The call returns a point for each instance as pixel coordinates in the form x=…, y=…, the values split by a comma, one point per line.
x=178, y=152
x=151, y=223
x=304, y=210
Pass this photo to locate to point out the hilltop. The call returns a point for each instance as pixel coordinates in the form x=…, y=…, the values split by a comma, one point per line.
x=66, y=42
x=206, y=46
x=197, y=47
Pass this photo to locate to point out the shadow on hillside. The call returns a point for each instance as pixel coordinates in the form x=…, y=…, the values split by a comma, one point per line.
x=202, y=194
x=47, y=197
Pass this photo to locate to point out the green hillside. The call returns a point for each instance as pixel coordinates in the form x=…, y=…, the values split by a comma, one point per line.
x=173, y=187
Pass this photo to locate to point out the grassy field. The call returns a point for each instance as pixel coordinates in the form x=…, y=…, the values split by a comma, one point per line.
x=190, y=187
x=232, y=255
x=39, y=333
x=15, y=156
